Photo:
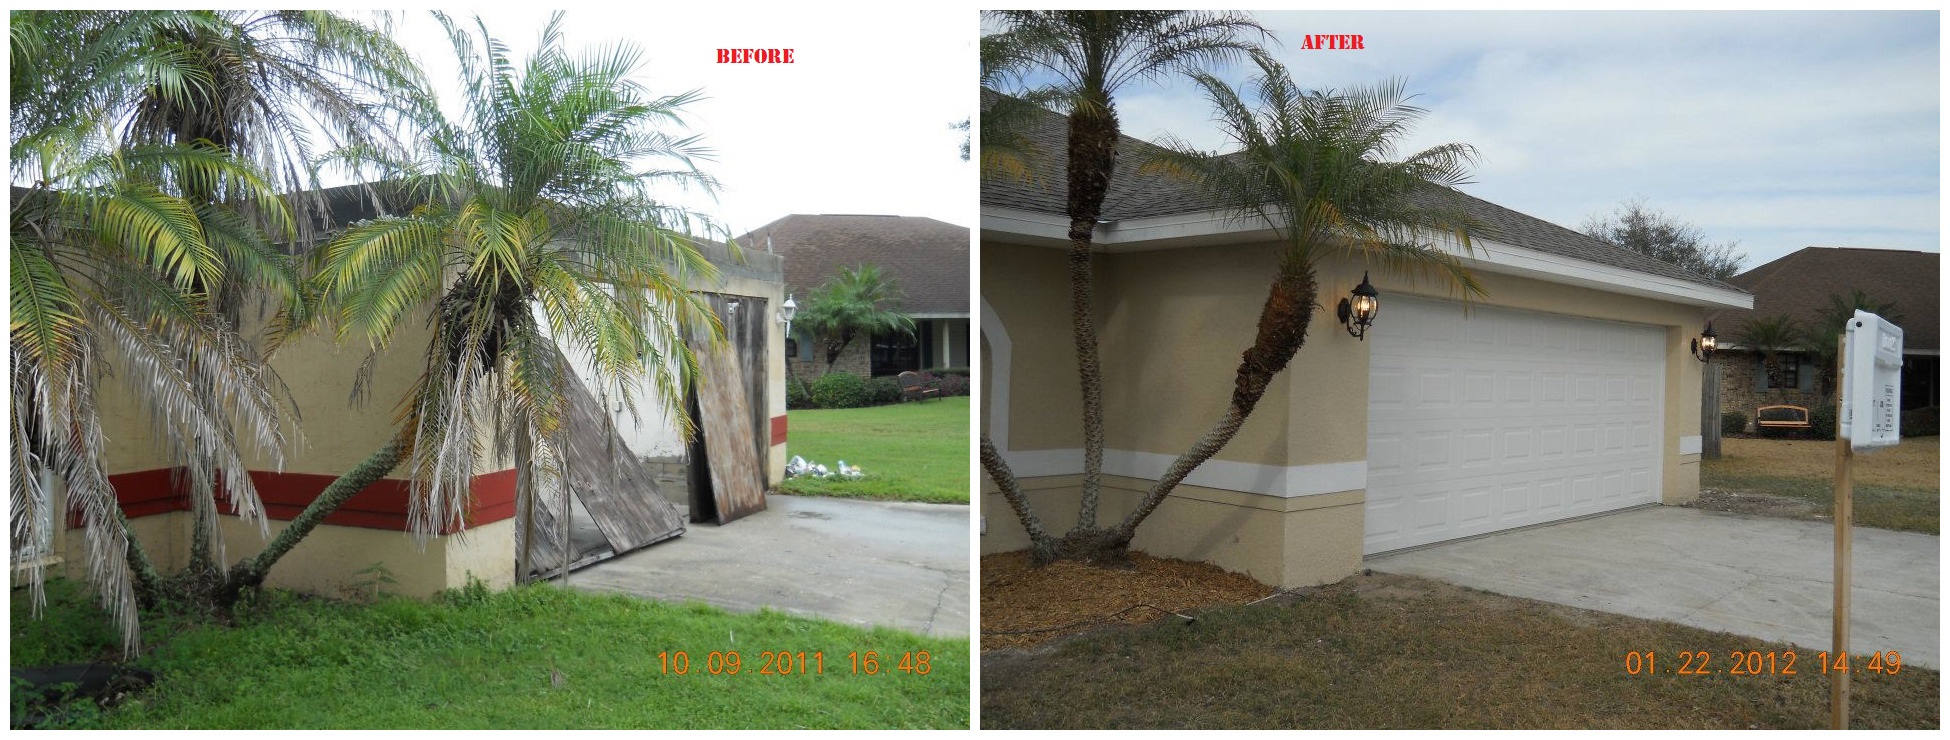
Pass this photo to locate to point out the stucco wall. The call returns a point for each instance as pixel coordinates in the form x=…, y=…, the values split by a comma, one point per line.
x=1173, y=324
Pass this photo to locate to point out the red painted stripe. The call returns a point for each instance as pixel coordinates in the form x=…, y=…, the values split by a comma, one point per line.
x=778, y=430
x=382, y=505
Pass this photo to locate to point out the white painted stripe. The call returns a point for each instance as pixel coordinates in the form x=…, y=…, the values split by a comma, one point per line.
x=1691, y=445
x=1265, y=480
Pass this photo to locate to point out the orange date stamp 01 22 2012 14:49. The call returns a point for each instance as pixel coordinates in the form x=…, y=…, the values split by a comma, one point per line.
x=1757, y=663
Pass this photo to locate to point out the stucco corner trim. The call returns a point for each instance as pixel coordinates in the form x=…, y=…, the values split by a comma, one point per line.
x=1691, y=445
x=1266, y=480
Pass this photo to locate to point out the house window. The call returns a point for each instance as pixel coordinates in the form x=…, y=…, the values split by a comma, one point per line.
x=1795, y=373
x=895, y=353
x=792, y=347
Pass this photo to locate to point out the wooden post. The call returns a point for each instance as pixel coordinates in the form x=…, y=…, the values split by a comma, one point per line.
x=1844, y=543
x=1709, y=411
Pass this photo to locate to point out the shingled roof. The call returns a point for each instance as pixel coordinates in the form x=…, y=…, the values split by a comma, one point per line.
x=1133, y=195
x=1799, y=284
x=927, y=259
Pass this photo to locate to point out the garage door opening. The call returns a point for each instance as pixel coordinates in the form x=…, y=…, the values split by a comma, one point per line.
x=1500, y=418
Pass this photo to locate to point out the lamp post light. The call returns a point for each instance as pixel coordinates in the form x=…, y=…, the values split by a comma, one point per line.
x=1705, y=344
x=1357, y=311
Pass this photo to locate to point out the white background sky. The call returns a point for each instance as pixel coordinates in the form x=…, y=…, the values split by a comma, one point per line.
x=859, y=123
x=1777, y=129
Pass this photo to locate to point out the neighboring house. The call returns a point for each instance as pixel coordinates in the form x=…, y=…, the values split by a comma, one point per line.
x=1798, y=286
x=1568, y=390
x=928, y=261
x=337, y=434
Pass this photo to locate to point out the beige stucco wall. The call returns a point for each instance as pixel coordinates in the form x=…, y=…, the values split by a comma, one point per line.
x=1173, y=324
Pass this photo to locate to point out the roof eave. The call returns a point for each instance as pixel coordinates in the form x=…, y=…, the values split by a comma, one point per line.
x=1205, y=228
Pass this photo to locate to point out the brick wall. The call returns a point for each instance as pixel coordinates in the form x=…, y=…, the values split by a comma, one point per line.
x=1740, y=392
x=854, y=359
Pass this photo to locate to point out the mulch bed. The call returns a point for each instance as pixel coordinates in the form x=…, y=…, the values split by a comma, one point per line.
x=1024, y=606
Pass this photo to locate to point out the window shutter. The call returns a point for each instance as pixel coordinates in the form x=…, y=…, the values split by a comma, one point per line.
x=1807, y=375
x=1760, y=373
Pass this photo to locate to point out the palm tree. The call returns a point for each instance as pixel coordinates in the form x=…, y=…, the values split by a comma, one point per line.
x=1320, y=167
x=1772, y=337
x=1824, y=336
x=857, y=302
x=534, y=202
x=271, y=84
x=1092, y=54
x=107, y=254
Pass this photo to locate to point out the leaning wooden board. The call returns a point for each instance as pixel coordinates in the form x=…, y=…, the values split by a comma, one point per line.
x=725, y=416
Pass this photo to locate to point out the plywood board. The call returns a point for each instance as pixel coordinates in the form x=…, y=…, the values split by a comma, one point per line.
x=616, y=493
x=737, y=483
x=619, y=494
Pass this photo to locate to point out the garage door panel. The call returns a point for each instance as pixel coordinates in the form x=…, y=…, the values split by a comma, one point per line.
x=1506, y=419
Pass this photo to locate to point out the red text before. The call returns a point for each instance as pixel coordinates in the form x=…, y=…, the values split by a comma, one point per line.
x=754, y=56
x=1331, y=41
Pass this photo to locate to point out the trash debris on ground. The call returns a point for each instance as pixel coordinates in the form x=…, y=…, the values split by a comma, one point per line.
x=800, y=467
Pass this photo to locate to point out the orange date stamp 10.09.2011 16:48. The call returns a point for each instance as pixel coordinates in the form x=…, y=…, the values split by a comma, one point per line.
x=801, y=663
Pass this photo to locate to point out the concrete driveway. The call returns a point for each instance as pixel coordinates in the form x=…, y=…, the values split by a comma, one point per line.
x=856, y=562
x=1750, y=575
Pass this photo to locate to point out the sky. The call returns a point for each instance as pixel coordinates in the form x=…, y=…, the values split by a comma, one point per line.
x=859, y=122
x=1778, y=130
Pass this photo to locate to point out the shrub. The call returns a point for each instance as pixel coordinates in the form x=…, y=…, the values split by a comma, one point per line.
x=796, y=394
x=883, y=390
x=1920, y=422
x=1822, y=419
x=1733, y=422
x=954, y=385
x=946, y=371
x=840, y=390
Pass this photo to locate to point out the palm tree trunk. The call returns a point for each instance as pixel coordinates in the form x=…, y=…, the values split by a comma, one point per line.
x=1092, y=155
x=250, y=573
x=1283, y=324
x=1042, y=548
x=148, y=582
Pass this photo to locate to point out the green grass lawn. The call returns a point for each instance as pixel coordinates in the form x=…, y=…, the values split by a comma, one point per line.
x=484, y=660
x=914, y=451
x=1386, y=651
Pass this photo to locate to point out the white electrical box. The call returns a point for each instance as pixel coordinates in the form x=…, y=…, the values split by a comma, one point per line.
x=1872, y=383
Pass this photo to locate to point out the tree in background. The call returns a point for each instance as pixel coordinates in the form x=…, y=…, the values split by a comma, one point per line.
x=1825, y=335
x=1091, y=54
x=856, y=303
x=1643, y=229
x=1774, y=337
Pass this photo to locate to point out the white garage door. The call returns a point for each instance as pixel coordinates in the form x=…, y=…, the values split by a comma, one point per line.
x=1502, y=418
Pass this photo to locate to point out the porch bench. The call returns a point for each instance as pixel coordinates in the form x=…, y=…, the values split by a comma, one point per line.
x=915, y=388
x=1780, y=417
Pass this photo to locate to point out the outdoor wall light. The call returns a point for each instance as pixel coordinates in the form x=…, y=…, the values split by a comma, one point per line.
x=1705, y=343
x=789, y=310
x=1357, y=312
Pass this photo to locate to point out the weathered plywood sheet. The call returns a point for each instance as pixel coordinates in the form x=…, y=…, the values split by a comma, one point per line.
x=619, y=494
x=615, y=492
x=730, y=451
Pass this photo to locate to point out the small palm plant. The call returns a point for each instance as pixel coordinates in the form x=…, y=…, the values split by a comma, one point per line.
x=1775, y=338
x=859, y=302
